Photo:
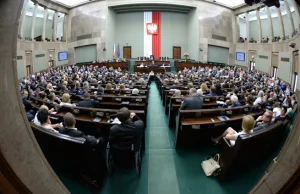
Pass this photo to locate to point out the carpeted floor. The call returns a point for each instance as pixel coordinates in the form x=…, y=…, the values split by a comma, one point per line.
x=169, y=171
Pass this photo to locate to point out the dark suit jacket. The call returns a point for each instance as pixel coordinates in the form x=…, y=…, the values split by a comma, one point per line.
x=133, y=128
x=193, y=102
x=87, y=103
x=71, y=132
x=261, y=126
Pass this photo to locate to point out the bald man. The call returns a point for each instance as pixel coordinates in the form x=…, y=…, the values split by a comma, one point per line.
x=192, y=102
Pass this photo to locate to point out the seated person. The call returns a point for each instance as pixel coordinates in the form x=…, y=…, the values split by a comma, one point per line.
x=87, y=102
x=100, y=90
x=43, y=118
x=26, y=102
x=108, y=86
x=282, y=115
x=212, y=92
x=232, y=135
x=37, y=122
x=263, y=121
x=233, y=101
x=259, y=98
x=249, y=100
x=276, y=110
x=65, y=100
x=177, y=93
x=192, y=102
x=130, y=125
x=53, y=99
x=200, y=92
x=135, y=92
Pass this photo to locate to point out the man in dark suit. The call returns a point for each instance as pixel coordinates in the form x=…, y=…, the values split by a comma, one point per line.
x=131, y=125
x=87, y=102
x=263, y=121
x=192, y=102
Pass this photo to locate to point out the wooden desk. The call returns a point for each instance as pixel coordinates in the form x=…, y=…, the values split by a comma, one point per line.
x=149, y=62
x=155, y=69
x=123, y=65
x=181, y=65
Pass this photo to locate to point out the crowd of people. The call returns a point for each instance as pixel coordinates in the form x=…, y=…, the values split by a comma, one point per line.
x=251, y=88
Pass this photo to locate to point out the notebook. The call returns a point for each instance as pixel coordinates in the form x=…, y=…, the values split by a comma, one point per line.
x=223, y=118
x=97, y=119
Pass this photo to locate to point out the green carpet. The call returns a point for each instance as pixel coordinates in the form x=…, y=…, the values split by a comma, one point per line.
x=169, y=171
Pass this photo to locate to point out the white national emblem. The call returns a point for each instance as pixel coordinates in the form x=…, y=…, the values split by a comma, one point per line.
x=152, y=28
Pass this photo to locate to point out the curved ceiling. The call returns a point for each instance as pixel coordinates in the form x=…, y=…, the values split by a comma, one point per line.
x=227, y=3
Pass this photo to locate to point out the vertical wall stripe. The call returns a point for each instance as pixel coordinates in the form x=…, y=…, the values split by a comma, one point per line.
x=156, y=37
x=147, y=38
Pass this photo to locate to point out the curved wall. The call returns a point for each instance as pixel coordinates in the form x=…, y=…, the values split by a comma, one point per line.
x=17, y=143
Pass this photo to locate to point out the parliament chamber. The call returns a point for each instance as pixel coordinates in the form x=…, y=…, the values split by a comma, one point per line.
x=140, y=97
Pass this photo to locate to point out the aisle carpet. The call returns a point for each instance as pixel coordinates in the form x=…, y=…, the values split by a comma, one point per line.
x=169, y=171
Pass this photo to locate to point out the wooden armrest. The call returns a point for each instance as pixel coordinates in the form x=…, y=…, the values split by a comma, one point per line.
x=227, y=142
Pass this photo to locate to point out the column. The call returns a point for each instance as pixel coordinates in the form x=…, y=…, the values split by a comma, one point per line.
x=281, y=26
x=237, y=26
x=271, y=34
x=22, y=22
x=45, y=24
x=297, y=14
x=289, y=14
x=248, y=27
x=65, y=28
x=259, y=26
x=33, y=21
x=55, y=18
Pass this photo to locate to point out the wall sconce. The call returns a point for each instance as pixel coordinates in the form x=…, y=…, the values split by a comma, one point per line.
x=200, y=49
x=104, y=49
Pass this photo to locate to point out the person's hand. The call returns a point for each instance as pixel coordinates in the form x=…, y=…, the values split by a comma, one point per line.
x=132, y=115
x=259, y=118
x=56, y=126
x=51, y=110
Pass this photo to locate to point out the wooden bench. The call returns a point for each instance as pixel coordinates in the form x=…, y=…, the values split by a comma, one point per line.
x=205, y=123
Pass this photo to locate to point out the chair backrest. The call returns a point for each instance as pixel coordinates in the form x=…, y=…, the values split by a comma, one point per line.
x=125, y=142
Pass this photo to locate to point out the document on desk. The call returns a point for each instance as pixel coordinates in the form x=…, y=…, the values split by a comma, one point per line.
x=116, y=121
x=220, y=102
x=223, y=118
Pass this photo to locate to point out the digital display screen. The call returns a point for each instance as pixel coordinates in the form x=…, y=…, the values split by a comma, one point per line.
x=62, y=56
x=240, y=56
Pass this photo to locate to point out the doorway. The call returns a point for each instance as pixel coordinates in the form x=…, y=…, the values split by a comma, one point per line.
x=51, y=61
x=28, y=62
x=176, y=52
x=127, y=52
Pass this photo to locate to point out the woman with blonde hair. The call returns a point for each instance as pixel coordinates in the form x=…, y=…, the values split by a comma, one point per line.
x=232, y=135
x=203, y=87
x=108, y=86
x=65, y=100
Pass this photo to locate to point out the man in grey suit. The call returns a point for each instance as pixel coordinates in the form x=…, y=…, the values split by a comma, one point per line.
x=192, y=102
x=263, y=121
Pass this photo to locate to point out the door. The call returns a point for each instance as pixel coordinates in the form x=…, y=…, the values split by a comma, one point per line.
x=176, y=52
x=28, y=62
x=51, y=58
x=127, y=52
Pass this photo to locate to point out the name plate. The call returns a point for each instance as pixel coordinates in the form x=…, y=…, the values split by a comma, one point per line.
x=196, y=127
x=128, y=92
x=229, y=112
x=246, y=109
x=171, y=92
x=119, y=99
x=100, y=98
x=142, y=92
x=206, y=100
x=100, y=114
x=76, y=111
x=138, y=100
x=221, y=99
x=178, y=100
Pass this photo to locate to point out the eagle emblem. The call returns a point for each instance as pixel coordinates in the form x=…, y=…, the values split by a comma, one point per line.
x=151, y=28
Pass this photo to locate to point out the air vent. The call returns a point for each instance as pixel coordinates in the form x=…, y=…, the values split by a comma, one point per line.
x=40, y=55
x=86, y=36
x=285, y=59
x=263, y=57
x=217, y=37
x=19, y=57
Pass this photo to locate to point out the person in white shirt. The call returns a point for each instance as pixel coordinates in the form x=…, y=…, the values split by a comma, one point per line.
x=276, y=110
x=232, y=135
x=259, y=98
x=66, y=100
x=43, y=118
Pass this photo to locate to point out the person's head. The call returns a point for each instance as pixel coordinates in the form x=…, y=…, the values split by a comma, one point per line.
x=43, y=95
x=267, y=116
x=86, y=96
x=283, y=111
x=212, y=90
x=203, y=86
x=190, y=85
x=135, y=91
x=65, y=98
x=43, y=116
x=276, y=105
x=177, y=93
x=260, y=94
x=123, y=114
x=192, y=91
x=200, y=92
x=122, y=87
x=249, y=100
x=234, y=99
x=52, y=96
x=247, y=123
x=64, y=87
x=44, y=107
x=69, y=120
x=108, y=86
x=25, y=94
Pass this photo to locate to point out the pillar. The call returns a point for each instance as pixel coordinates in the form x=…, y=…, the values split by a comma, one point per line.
x=248, y=27
x=45, y=24
x=55, y=18
x=259, y=26
x=33, y=21
x=65, y=28
x=289, y=14
x=297, y=14
x=271, y=31
x=281, y=26
x=23, y=20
